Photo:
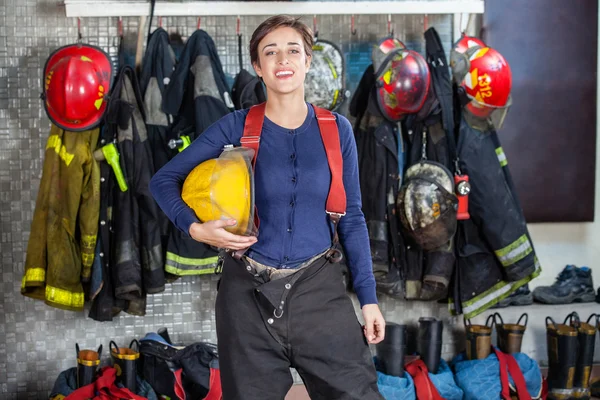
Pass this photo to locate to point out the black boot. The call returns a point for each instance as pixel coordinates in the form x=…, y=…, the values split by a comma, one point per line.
x=510, y=336
x=586, y=335
x=562, y=344
x=125, y=362
x=430, y=342
x=479, y=339
x=390, y=352
x=573, y=284
x=87, y=365
x=520, y=297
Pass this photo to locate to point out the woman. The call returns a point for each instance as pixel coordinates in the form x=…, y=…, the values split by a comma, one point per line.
x=283, y=303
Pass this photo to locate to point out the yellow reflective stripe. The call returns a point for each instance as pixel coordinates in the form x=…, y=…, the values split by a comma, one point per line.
x=496, y=293
x=64, y=297
x=181, y=266
x=87, y=259
x=501, y=157
x=34, y=275
x=88, y=241
x=55, y=142
x=515, y=251
x=129, y=357
x=88, y=363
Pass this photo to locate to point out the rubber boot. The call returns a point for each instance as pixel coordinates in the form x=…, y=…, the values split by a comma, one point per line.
x=390, y=352
x=562, y=344
x=164, y=333
x=479, y=339
x=430, y=342
x=510, y=336
x=125, y=362
x=586, y=337
x=87, y=365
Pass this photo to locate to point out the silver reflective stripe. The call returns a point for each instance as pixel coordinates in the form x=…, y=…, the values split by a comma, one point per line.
x=204, y=79
x=153, y=102
x=152, y=259
x=515, y=251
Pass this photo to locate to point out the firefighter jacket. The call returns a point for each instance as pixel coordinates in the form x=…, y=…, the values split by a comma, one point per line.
x=134, y=250
x=428, y=273
x=377, y=147
x=61, y=246
x=197, y=96
x=495, y=252
x=157, y=67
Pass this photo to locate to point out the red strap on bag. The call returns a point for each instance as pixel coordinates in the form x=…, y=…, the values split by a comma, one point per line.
x=336, y=200
x=508, y=365
x=104, y=388
x=214, y=391
x=425, y=389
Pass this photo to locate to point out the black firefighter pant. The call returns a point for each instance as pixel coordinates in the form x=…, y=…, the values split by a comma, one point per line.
x=305, y=321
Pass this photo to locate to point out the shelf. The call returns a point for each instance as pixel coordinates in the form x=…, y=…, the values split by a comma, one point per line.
x=129, y=8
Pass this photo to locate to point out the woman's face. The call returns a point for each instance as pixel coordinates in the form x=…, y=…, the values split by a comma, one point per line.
x=283, y=63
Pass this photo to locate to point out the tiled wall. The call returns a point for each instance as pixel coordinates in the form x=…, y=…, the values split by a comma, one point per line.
x=36, y=341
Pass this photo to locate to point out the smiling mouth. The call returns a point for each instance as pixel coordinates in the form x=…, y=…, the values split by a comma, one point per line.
x=284, y=74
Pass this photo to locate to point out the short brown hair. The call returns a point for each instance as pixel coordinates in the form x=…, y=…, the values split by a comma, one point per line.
x=280, y=21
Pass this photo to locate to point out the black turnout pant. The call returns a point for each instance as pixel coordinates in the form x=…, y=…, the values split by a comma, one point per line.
x=305, y=321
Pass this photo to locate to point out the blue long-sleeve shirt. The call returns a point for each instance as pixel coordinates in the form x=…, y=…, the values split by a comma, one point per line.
x=292, y=179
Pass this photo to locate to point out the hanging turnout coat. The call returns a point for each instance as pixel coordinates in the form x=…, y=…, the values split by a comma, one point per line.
x=197, y=96
x=60, y=251
x=495, y=251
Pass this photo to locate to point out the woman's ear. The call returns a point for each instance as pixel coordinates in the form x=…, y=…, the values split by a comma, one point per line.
x=257, y=69
x=308, y=61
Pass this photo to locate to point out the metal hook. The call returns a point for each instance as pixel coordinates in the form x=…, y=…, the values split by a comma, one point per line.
x=160, y=22
x=199, y=20
x=315, y=27
x=79, y=36
x=120, y=27
x=352, y=27
x=389, y=26
x=425, y=22
x=237, y=28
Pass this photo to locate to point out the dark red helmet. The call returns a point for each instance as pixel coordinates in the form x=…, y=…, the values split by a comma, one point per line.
x=77, y=79
x=402, y=79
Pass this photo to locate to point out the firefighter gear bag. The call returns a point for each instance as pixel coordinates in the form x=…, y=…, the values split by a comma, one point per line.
x=223, y=188
x=190, y=372
x=410, y=388
x=488, y=378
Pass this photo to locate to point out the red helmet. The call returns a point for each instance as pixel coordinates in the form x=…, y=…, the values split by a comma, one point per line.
x=487, y=84
x=465, y=42
x=402, y=79
x=77, y=79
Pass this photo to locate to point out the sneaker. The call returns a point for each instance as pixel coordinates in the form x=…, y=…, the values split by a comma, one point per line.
x=520, y=297
x=598, y=296
x=572, y=285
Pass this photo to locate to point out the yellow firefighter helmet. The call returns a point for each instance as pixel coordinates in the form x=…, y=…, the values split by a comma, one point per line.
x=223, y=188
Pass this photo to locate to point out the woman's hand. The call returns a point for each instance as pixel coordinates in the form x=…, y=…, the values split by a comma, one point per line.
x=374, y=328
x=214, y=234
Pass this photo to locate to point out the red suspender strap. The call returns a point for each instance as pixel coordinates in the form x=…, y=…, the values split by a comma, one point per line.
x=336, y=200
x=253, y=129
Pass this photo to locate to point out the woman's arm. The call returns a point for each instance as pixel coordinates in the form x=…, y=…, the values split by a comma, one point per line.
x=353, y=228
x=167, y=182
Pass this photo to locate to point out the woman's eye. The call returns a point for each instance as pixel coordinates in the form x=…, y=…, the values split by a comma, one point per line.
x=294, y=51
x=269, y=53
